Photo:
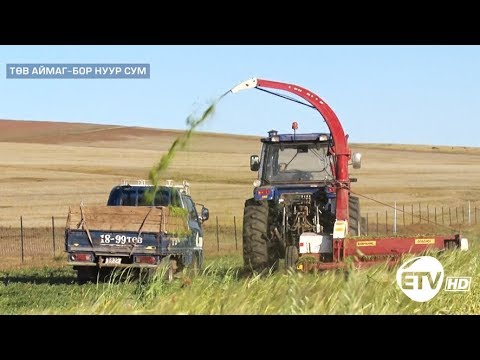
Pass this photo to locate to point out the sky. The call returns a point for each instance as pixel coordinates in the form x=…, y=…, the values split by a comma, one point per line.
x=396, y=94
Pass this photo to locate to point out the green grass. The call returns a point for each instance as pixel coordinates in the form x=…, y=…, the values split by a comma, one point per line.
x=223, y=288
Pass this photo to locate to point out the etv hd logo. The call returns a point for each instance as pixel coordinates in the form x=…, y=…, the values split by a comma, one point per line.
x=421, y=278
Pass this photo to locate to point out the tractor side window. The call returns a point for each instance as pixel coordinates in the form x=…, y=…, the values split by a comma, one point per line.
x=270, y=161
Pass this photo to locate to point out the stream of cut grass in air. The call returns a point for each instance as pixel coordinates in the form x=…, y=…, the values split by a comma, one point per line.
x=180, y=143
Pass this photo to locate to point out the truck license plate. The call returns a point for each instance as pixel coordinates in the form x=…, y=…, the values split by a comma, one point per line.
x=113, y=260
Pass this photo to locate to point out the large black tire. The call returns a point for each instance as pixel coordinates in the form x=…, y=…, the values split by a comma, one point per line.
x=355, y=220
x=146, y=274
x=291, y=257
x=259, y=254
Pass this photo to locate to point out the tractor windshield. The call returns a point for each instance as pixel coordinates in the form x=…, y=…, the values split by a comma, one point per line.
x=295, y=162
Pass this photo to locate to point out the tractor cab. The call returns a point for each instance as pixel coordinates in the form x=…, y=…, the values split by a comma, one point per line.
x=292, y=158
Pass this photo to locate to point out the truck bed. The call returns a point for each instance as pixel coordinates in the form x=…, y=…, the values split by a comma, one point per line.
x=137, y=219
x=124, y=236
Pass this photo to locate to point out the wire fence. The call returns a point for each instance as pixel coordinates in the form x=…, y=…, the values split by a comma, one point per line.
x=23, y=243
x=415, y=218
x=223, y=235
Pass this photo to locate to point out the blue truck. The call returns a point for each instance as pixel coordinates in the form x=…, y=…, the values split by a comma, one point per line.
x=140, y=227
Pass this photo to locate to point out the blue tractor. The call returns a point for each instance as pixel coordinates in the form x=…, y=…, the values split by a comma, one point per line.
x=293, y=208
x=302, y=208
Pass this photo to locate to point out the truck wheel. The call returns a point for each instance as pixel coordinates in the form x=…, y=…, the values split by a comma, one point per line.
x=106, y=274
x=291, y=257
x=146, y=274
x=86, y=274
x=167, y=268
x=354, y=220
x=258, y=253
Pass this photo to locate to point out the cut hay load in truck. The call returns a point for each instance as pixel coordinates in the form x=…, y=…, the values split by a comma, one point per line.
x=140, y=227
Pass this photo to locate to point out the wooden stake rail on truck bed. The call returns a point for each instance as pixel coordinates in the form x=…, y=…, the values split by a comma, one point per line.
x=127, y=218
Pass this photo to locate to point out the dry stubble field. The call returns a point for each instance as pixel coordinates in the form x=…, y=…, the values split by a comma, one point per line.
x=47, y=166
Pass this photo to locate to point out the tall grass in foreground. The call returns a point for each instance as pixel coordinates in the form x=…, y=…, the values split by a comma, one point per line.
x=223, y=288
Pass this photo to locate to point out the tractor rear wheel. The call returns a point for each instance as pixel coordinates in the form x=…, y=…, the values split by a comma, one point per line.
x=354, y=221
x=259, y=254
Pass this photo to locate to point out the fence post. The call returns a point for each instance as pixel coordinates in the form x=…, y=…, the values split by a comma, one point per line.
x=435, y=215
x=456, y=213
x=463, y=215
x=469, y=214
x=218, y=241
x=377, y=223
x=450, y=216
x=475, y=216
x=367, y=225
x=21, y=236
x=403, y=210
x=412, y=214
x=53, y=235
x=235, y=229
x=395, y=218
x=386, y=222
x=428, y=214
x=419, y=213
x=443, y=220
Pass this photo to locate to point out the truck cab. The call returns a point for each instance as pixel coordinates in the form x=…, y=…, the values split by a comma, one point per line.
x=141, y=194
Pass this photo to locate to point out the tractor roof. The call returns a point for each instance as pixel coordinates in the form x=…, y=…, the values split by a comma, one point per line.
x=312, y=137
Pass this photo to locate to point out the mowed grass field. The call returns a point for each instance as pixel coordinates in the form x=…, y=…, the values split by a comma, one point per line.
x=224, y=289
x=47, y=166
